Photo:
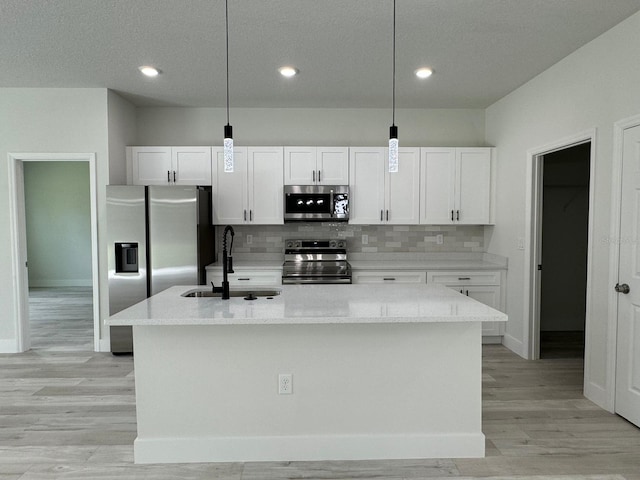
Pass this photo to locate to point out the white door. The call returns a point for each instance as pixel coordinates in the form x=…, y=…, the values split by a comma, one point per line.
x=403, y=189
x=300, y=166
x=229, y=189
x=366, y=189
x=332, y=165
x=473, y=186
x=151, y=166
x=265, y=176
x=627, y=402
x=437, y=178
x=191, y=165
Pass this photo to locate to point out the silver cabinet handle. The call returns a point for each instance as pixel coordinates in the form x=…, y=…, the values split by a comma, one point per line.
x=387, y=215
x=174, y=176
x=251, y=215
x=381, y=215
x=243, y=279
x=388, y=278
x=245, y=215
x=314, y=176
x=319, y=176
x=458, y=215
x=467, y=292
x=452, y=218
x=464, y=278
x=624, y=288
x=168, y=176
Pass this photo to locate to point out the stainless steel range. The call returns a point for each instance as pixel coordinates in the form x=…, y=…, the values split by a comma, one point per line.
x=316, y=261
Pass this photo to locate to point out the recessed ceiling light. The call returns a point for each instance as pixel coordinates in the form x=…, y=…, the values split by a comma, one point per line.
x=149, y=71
x=288, y=71
x=424, y=72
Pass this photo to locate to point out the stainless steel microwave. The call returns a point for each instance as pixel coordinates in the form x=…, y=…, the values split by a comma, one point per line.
x=316, y=203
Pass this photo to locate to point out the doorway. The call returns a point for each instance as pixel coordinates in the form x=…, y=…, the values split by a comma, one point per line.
x=18, y=231
x=563, y=250
x=58, y=234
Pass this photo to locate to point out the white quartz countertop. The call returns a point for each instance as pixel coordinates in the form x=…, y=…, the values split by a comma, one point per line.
x=311, y=304
x=384, y=263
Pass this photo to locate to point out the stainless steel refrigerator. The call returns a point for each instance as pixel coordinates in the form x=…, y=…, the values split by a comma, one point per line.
x=158, y=237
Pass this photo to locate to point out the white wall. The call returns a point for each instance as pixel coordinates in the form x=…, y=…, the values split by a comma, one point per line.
x=49, y=120
x=58, y=223
x=592, y=88
x=311, y=126
x=122, y=132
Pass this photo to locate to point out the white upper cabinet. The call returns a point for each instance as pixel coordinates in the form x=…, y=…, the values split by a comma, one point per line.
x=380, y=197
x=169, y=165
x=366, y=185
x=316, y=165
x=455, y=186
x=252, y=193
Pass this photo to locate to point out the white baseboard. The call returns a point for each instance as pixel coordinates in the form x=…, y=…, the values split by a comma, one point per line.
x=104, y=345
x=55, y=283
x=597, y=395
x=9, y=346
x=513, y=344
x=309, y=448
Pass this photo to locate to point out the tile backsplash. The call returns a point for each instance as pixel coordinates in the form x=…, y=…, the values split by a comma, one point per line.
x=252, y=239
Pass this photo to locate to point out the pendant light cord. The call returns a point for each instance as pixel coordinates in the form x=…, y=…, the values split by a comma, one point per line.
x=393, y=121
x=226, y=17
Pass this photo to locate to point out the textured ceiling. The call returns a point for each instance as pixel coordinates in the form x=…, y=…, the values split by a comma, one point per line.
x=480, y=49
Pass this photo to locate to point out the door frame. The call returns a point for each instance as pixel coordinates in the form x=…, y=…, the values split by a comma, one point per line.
x=533, y=242
x=17, y=227
x=614, y=241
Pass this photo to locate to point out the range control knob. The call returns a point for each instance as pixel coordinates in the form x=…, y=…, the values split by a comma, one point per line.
x=289, y=244
x=297, y=245
x=340, y=244
x=332, y=244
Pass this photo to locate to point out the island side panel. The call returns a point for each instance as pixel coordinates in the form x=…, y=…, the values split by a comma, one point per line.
x=210, y=393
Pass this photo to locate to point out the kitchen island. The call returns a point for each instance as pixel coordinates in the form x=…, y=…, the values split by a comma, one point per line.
x=375, y=372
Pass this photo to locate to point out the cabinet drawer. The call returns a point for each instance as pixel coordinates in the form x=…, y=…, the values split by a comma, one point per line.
x=264, y=277
x=464, y=278
x=390, y=277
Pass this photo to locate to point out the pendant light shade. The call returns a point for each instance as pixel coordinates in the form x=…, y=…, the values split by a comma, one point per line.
x=228, y=130
x=393, y=131
x=393, y=149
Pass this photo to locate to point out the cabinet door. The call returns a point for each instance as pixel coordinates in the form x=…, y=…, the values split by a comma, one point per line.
x=332, y=165
x=151, y=165
x=437, y=185
x=366, y=185
x=229, y=189
x=191, y=165
x=473, y=194
x=489, y=295
x=266, y=185
x=300, y=166
x=403, y=189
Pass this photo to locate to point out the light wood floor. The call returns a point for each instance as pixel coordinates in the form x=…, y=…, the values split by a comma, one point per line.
x=66, y=413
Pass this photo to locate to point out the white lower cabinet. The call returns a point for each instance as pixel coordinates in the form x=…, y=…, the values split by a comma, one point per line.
x=391, y=277
x=244, y=276
x=485, y=287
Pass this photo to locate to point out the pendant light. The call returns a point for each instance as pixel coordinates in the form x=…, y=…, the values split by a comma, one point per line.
x=393, y=130
x=228, y=130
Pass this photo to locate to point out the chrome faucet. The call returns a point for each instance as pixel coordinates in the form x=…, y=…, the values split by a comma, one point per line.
x=227, y=264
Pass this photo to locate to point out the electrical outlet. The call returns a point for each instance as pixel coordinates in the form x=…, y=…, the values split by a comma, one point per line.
x=439, y=239
x=285, y=384
x=249, y=239
x=365, y=239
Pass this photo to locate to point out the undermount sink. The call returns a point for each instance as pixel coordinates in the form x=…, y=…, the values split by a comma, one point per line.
x=232, y=293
